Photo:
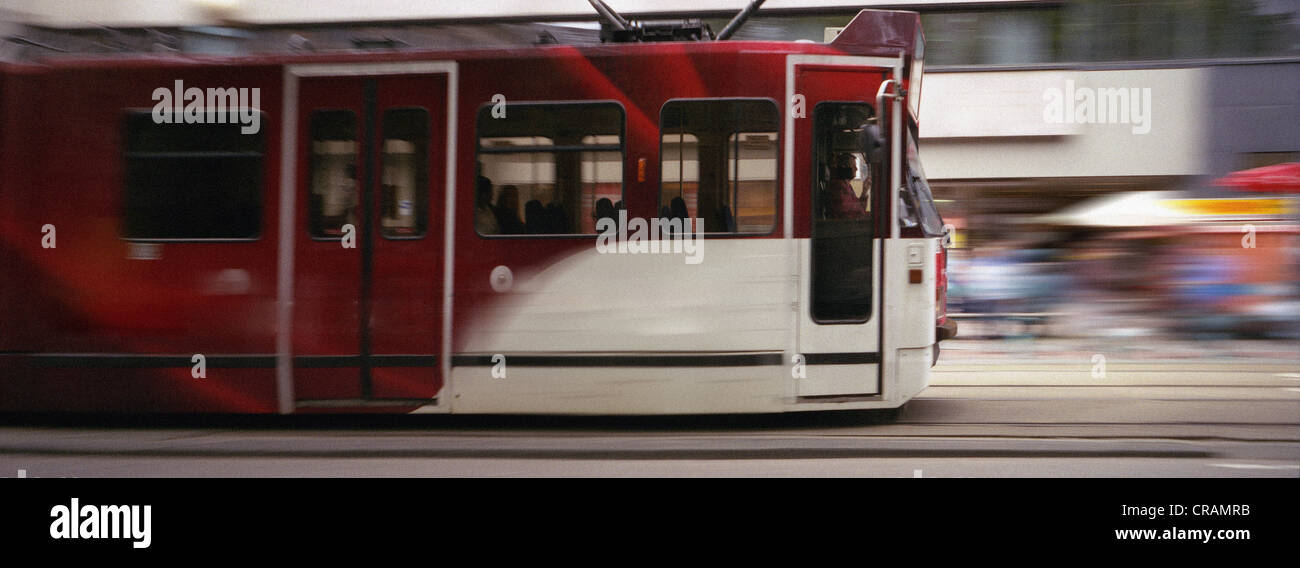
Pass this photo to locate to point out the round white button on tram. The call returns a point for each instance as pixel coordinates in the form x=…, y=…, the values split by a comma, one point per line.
x=501, y=279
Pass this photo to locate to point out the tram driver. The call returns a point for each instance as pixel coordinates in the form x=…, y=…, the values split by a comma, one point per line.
x=844, y=202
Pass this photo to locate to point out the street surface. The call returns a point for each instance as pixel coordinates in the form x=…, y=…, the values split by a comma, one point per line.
x=1182, y=418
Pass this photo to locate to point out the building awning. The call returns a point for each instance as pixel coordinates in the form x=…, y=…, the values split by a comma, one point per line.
x=1130, y=209
x=1280, y=178
x=1164, y=208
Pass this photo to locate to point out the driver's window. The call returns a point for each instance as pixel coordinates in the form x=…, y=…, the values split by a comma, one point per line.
x=843, y=174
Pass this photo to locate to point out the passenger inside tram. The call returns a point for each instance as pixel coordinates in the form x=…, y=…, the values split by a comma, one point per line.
x=605, y=210
x=507, y=211
x=485, y=218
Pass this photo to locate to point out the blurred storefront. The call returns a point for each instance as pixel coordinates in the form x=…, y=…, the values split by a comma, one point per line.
x=1105, y=226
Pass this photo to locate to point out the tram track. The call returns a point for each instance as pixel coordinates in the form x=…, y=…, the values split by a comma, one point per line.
x=969, y=423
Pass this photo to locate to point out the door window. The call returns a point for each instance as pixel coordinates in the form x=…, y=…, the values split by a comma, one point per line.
x=334, y=184
x=842, y=216
x=405, y=176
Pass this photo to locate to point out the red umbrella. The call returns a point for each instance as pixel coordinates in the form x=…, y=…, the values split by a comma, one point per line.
x=1282, y=178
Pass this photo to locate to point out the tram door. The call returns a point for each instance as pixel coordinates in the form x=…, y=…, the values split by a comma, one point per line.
x=368, y=263
x=840, y=328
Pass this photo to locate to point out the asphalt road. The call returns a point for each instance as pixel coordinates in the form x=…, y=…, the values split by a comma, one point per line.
x=1171, y=419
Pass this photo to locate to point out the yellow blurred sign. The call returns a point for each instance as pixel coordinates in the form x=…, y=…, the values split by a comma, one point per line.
x=958, y=239
x=1262, y=206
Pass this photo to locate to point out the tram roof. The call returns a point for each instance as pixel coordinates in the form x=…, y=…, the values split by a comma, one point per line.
x=881, y=33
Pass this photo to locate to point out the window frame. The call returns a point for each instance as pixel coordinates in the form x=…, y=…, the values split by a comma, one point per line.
x=780, y=141
x=124, y=203
x=622, y=143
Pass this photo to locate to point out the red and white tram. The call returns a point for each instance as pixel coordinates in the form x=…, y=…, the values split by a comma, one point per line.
x=418, y=231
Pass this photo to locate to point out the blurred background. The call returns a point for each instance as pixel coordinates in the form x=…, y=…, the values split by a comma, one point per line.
x=1170, y=232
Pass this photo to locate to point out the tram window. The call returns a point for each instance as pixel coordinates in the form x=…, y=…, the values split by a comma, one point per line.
x=548, y=168
x=333, y=198
x=191, y=181
x=919, y=200
x=842, y=229
x=405, y=189
x=718, y=162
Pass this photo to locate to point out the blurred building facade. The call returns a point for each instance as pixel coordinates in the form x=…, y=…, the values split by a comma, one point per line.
x=1224, y=81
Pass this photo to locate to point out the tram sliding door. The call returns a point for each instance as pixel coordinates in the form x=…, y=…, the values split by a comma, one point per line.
x=839, y=336
x=368, y=268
